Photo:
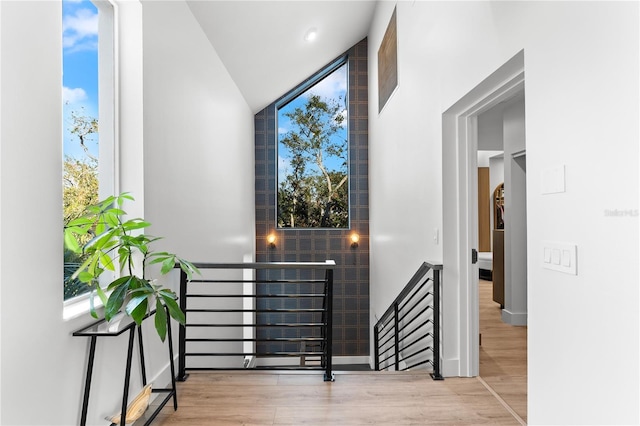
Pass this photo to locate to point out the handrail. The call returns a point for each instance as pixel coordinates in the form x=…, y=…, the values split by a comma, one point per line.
x=309, y=330
x=403, y=325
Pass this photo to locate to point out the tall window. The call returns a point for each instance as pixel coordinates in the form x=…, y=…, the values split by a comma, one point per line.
x=87, y=87
x=313, y=153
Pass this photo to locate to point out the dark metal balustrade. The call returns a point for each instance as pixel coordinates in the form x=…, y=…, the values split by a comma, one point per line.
x=239, y=313
x=408, y=333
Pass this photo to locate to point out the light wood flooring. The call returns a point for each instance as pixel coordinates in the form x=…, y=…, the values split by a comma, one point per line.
x=366, y=398
x=503, y=353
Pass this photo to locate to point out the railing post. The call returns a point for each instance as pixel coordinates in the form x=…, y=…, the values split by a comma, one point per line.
x=182, y=332
x=376, y=354
x=396, y=336
x=328, y=375
x=436, y=326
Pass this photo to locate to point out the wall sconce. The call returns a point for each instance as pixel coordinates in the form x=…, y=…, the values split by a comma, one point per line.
x=271, y=239
x=355, y=238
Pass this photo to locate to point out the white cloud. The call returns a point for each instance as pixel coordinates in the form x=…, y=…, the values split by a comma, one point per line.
x=333, y=86
x=73, y=96
x=282, y=130
x=80, y=30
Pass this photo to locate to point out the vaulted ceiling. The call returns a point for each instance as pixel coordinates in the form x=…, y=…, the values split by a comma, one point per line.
x=263, y=46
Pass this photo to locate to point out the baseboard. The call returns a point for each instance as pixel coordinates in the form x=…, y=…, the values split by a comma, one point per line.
x=514, y=318
x=450, y=367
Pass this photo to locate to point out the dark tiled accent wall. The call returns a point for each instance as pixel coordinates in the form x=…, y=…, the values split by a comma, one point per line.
x=351, y=276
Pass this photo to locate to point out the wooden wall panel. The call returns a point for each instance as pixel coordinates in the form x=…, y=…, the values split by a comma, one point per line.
x=388, y=63
x=484, y=210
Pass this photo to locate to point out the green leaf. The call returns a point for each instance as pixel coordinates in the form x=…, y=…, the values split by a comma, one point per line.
x=92, y=307
x=188, y=268
x=174, y=310
x=85, y=277
x=140, y=311
x=101, y=294
x=133, y=224
x=168, y=265
x=137, y=307
x=161, y=320
x=118, y=282
x=81, y=268
x=100, y=228
x=81, y=223
x=70, y=242
x=116, y=300
x=107, y=262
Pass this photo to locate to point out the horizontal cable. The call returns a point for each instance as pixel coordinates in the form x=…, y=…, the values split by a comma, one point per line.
x=274, y=339
x=414, y=330
x=258, y=296
x=404, y=358
x=418, y=305
x=278, y=354
x=415, y=280
x=259, y=311
x=310, y=324
x=408, y=323
x=212, y=281
x=267, y=367
x=413, y=294
x=428, y=361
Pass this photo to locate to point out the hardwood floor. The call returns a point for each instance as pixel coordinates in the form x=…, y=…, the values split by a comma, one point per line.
x=355, y=398
x=503, y=354
x=367, y=398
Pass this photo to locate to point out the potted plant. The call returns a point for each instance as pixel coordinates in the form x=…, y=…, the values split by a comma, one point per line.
x=106, y=238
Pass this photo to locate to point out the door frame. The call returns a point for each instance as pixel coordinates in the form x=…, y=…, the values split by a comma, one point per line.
x=460, y=219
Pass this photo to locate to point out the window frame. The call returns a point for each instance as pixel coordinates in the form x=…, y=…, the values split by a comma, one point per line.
x=108, y=167
x=312, y=81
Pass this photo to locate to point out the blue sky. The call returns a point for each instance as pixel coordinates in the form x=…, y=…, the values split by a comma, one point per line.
x=79, y=69
x=333, y=86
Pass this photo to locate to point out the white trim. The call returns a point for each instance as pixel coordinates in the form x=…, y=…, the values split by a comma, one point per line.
x=108, y=95
x=514, y=318
x=79, y=306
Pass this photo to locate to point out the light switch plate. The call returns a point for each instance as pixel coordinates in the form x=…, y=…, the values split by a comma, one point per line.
x=561, y=257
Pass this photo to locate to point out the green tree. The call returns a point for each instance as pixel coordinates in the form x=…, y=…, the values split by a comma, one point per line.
x=79, y=190
x=315, y=196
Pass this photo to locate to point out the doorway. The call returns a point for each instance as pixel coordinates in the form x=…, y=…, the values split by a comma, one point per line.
x=460, y=218
x=503, y=279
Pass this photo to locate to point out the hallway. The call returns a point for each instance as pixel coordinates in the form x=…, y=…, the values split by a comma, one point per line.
x=503, y=354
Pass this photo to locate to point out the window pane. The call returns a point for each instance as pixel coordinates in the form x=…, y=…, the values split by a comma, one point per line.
x=80, y=115
x=313, y=156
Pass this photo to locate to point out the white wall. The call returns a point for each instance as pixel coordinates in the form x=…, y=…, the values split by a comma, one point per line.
x=199, y=148
x=198, y=153
x=515, y=224
x=43, y=366
x=582, y=96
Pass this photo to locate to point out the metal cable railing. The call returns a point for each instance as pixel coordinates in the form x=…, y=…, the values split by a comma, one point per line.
x=240, y=313
x=408, y=333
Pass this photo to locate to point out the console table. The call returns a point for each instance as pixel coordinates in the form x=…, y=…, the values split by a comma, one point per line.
x=114, y=329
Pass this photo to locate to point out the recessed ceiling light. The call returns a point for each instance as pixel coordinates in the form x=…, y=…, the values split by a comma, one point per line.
x=311, y=34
